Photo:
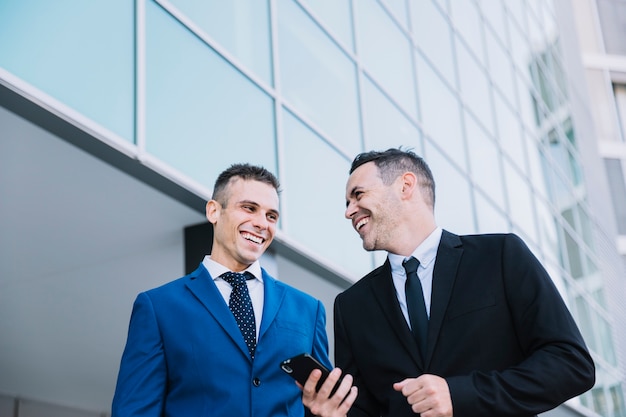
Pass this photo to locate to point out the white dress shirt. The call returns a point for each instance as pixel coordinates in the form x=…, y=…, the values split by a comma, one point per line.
x=255, y=286
x=426, y=254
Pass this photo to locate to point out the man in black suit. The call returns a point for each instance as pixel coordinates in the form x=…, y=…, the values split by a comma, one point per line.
x=499, y=340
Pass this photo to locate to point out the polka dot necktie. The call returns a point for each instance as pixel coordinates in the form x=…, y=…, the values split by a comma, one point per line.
x=415, y=304
x=241, y=306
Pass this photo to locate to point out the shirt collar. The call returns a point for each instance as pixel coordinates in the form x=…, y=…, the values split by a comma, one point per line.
x=425, y=252
x=216, y=269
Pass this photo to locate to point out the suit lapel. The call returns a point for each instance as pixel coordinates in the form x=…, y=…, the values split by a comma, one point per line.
x=385, y=294
x=201, y=285
x=444, y=274
x=273, y=297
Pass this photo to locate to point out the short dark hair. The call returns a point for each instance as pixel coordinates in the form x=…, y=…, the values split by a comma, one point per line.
x=246, y=172
x=394, y=162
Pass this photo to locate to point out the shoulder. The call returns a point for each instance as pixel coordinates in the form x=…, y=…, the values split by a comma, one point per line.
x=486, y=239
x=364, y=284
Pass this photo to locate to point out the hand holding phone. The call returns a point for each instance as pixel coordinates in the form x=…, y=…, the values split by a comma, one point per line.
x=300, y=367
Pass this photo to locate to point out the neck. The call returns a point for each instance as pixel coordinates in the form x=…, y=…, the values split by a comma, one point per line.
x=411, y=238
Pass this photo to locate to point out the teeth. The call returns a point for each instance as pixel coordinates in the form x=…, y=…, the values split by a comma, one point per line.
x=253, y=238
x=362, y=223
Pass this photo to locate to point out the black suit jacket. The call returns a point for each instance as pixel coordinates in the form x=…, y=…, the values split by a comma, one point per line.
x=499, y=333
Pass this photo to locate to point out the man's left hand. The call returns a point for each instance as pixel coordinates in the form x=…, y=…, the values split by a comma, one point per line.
x=428, y=395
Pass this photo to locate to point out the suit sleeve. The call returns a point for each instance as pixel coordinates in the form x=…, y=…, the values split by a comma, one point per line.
x=142, y=376
x=364, y=405
x=320, y=343
x=320, y=338
x=557, y=365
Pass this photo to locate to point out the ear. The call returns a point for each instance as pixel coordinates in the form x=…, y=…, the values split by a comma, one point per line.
x=213, y=209
x=408, y=182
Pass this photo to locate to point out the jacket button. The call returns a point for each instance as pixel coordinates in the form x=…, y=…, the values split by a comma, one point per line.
x=256, y=382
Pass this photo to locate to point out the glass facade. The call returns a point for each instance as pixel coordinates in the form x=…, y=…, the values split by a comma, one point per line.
x=300, y=86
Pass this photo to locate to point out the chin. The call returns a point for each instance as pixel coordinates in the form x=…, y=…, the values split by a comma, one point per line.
x=252, y=256
x=369, y=246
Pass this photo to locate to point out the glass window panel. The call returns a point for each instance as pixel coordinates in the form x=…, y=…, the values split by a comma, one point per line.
x=201, y=113
x=490, y=219
x=585, y=324
x=585, y=399
x=517, y=12
x=443, y=4
x=520, y=201
x=598, y=295
x=563, y=154
x=468, y=23
x=617, y=395
x=433, y=36
x=535, y=30
x=547, y=230
x=386, y=54
x=603, y=109
x=453, y=204
x=475, y=88
x=484, y=161
x=544, y=17
x=561, y=188
x=385, y=125
x=494, y=14
x=500, y=67
x=620, y=102
x=617, y=186
x=546, y=99
x=67, y=50
x=606, y=339
x=612, y=15
x=555, y=167
x=336, y=15
x=549, y=73
x=317, y=78
x=599, y=400
x=571, y=245
x=313, y=193
x=590, y=265
x=440, y=113
x=520, y=48
x=240, y=26
x=574, y=168
x=399, y=9
x=559, y=77
x=509, y=131
x=535, y=171
x=526, y=107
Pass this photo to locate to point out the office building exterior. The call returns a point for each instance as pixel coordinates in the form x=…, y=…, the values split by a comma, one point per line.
x=116, y=117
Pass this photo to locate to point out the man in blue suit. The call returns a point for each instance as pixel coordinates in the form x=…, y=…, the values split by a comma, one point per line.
x=187, y=354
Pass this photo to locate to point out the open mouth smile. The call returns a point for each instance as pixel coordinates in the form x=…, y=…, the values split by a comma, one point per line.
x=253, y=238
x=361, y=223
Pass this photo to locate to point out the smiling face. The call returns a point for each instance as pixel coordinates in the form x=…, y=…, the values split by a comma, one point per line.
x=372, y=207
x=244, y=226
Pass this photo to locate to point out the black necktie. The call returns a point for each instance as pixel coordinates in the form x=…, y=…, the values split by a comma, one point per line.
x=415, y=304
x=241, y=306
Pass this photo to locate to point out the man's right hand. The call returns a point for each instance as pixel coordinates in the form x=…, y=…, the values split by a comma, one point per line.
x=320, y=403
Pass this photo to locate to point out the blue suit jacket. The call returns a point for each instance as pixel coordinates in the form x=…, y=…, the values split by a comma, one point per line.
x=185, y=355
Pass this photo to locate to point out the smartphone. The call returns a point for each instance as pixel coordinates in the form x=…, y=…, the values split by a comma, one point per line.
x=300, y=367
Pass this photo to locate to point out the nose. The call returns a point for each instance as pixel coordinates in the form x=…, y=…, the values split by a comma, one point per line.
x=260, y=221
x=350, y=210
